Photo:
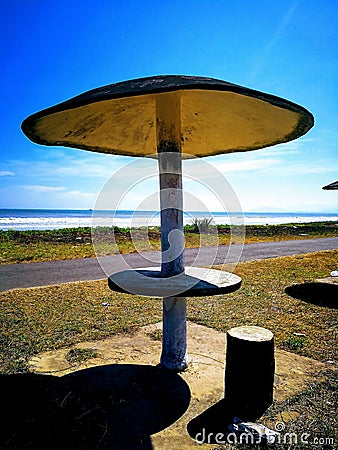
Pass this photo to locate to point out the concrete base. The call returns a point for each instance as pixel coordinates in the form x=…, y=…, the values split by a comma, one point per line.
x=329, y=280
x=204, y=376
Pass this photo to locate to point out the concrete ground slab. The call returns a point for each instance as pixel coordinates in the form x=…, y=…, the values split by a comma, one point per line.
x=329, y=280
x=204, y=377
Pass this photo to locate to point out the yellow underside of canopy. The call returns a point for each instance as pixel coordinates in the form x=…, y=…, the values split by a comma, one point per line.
x=211, y=122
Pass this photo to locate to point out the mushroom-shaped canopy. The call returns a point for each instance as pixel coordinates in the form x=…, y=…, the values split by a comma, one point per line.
x=332, y=186
x=214, y=117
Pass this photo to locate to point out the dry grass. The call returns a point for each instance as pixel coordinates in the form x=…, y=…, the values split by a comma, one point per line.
x=262, y=301
x=37, y=319
x=312, y=411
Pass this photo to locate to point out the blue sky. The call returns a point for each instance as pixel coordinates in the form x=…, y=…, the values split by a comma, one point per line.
x=54, y=50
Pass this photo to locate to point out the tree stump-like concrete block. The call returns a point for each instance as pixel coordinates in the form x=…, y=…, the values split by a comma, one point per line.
x=249, y=372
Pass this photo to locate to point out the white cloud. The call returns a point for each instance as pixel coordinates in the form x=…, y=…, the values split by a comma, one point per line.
x=5, y=173
x=306, y=168
x=244, y=166
x=92, y=166
x=78, y=194
x=39, y=188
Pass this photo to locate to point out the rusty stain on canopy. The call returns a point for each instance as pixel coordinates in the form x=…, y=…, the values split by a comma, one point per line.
x=214, y=117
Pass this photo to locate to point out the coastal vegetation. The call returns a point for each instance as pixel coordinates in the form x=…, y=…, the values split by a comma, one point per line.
x=71, y=243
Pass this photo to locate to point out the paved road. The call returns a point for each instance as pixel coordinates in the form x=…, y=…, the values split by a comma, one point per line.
x=55, y=272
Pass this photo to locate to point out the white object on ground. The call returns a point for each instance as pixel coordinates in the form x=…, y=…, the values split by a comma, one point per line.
x=258, y=431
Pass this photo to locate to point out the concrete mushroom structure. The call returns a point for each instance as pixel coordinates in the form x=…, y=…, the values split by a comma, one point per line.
x=171, y=116
x=331, y=187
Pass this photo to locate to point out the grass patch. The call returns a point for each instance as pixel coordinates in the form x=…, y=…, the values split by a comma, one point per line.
x=262, y=301
x=295, y=343
x=156, y=335
x=77, y=356
x=46, y=245
x=311, y=411
x=38, y=319
x=72, y=243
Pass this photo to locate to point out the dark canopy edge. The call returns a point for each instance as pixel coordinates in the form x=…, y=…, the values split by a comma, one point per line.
x=160, y=84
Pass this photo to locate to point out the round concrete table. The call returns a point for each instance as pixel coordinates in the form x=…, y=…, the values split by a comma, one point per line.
x=193, y=282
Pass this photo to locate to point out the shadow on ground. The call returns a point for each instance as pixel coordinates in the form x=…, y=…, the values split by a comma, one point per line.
x=207, y=427
x=321, y=294
x=115, y=406
x=212, y=426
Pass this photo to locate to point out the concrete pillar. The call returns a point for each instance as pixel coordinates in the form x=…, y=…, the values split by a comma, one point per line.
x=174, y=342
x=168, y=130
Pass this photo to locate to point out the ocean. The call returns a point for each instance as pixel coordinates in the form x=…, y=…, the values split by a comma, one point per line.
x=49, y=219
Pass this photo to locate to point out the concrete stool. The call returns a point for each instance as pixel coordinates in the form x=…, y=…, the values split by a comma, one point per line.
x=249, y=371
